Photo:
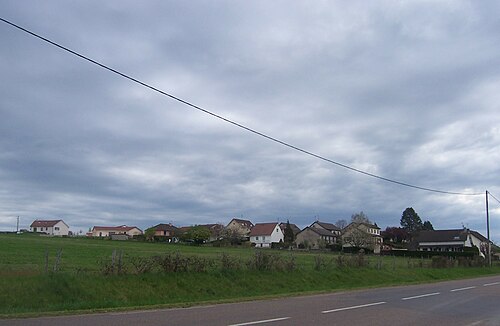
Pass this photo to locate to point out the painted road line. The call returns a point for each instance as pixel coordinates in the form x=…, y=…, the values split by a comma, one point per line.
x=421, y=296
x=261, y=321
x=354, y=307
x=490, y=284
x=463, y=289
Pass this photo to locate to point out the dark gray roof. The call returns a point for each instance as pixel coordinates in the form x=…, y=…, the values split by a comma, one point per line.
x=441, y=235
x=320, y=231
x=328, y=226
x=294, y=227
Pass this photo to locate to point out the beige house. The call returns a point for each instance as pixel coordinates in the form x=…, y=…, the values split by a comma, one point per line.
x=239, y=227
x=315, y=238
x=362, y=235
x=107, y=231
x=50, y=227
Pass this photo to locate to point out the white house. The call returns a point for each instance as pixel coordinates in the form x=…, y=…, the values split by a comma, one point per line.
x=106, y=231
x=451, y=240
x=263, y=234
x=51, y=227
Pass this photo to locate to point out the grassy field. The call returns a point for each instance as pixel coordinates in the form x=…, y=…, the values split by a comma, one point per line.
x=80, y=284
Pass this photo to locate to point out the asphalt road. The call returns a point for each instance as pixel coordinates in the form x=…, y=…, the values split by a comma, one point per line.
x=465, y=302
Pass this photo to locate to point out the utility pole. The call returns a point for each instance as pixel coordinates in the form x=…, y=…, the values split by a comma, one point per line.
x=17, y=228
x=488, y=229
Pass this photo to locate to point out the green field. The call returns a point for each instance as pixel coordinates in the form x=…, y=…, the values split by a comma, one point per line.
x=83, y=281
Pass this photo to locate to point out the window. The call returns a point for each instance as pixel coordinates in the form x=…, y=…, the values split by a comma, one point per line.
x=257, y=238
x=263, y=238
x=56, y=228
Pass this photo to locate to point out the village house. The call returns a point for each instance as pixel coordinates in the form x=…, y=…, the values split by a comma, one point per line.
x=50, y=227
x=264, y=234
x=362, y=235
x=165, y=230
x=329, y=227
x=315, y=238
x=239, y=228
x=108, y=231
x=454, y=240
x=294, y=228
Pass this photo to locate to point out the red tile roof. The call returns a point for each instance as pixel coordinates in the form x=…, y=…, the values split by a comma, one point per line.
x=263, y=229
x=44, y=223
x=114, y=228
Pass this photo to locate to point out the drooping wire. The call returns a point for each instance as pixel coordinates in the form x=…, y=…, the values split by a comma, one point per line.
x=276, y=140
x=491, y=195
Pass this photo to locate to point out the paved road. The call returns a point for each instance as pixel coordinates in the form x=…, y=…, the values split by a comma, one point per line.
x=467, y=302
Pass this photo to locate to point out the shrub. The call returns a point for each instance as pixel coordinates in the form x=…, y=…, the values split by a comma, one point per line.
x=142, y=265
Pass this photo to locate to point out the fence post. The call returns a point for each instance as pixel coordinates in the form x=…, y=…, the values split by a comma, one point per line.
x=46, y=261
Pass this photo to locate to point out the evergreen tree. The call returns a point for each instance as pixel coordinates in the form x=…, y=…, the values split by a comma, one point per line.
x=288, y=234
x=427, y=226
x=410, y=221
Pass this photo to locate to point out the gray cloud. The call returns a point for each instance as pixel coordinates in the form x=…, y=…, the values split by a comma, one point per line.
x=404, y=90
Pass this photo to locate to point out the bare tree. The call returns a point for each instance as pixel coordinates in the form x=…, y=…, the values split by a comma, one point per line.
x=341, y=223
x=360, y=218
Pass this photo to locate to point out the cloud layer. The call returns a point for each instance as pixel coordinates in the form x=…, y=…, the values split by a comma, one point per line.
x=408, y=91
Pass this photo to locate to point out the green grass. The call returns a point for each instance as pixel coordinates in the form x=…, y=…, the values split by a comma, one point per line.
x=25, y=289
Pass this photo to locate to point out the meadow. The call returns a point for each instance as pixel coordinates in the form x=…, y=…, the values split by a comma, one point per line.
x=101, y=275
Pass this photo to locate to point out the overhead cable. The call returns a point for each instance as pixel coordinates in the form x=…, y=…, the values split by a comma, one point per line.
x=251, y=130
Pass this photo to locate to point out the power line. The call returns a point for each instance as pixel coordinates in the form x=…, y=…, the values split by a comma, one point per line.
x=276, y=140
x=491, y=195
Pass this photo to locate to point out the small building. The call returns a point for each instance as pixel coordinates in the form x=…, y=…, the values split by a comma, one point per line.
x=264, y=234
x=50, y=227
x=107, y=231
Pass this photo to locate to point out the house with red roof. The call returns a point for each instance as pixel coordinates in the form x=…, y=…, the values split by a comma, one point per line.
x=108, y=231
x=50, y=227
x=264, y=234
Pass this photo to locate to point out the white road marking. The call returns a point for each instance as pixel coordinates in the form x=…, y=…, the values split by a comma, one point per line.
x=490, y=284
x=354, y=307
x=421, y=296
x=261, y=321
x=463, y=289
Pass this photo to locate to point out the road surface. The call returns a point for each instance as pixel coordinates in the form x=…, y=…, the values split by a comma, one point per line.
x=465, y=302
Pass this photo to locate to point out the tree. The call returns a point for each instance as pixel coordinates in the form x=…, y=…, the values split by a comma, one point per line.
x=360, y=218
x=198, y=234
x=410, y=221
x=395, y=234
x=149, y=234
x=341, y=223
x=427, y=226
x=289, y=236
x=358, y=238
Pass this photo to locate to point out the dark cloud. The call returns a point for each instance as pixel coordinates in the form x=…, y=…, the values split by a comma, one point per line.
x=407, y=91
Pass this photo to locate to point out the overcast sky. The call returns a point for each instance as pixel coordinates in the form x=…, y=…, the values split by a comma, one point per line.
x=404, y=90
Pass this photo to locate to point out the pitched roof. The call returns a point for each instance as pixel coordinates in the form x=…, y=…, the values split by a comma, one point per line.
x=165, y=227
x=327, y=226
x=478, y=235
x=263, y=229
x=372, y=226
x=245, y=223
x=319, y=231
x=114, y=228
x=294, y=227
x=441, y=235
x=44, y=223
